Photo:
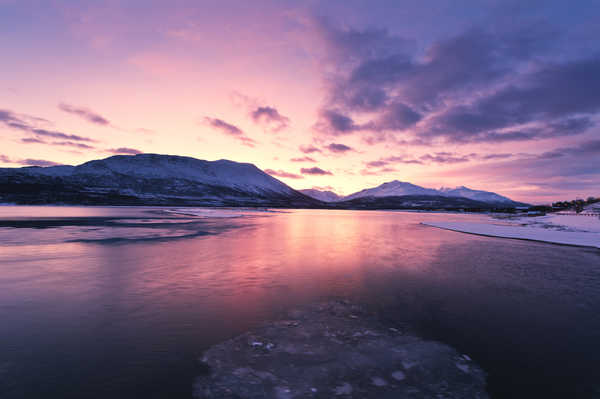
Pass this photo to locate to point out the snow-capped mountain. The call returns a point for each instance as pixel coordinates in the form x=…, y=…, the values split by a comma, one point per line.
x=325, y=196
x=393, y=188
x=239, y=176
x=148, y=179
x=400, y=189
x=478, y=195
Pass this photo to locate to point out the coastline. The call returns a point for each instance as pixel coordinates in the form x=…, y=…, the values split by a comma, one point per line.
x=523, y=232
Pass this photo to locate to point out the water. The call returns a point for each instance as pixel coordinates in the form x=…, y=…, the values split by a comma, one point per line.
x=120, y=302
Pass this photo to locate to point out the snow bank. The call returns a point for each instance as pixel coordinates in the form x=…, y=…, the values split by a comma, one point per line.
x=580, y=238
x=568, y=222
x=217, y=213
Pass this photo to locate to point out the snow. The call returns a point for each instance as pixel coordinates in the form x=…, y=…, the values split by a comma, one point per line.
x=477, y=195
x=240, y=176
x=566, y=222
x=325, y=196
x=398, y=188
x=572, y=230
x=217, y=213
x=243, y=176
x=393, y=188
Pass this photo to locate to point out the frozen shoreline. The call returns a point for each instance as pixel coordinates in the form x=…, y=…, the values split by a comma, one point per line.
x=555, y=229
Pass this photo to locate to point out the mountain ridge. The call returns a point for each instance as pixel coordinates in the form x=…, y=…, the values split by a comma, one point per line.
x=149, y=179
x=155, y=179
x=396, y=188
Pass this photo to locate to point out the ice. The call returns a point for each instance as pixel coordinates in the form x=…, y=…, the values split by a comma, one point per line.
x=217, y=213
x=534, y=230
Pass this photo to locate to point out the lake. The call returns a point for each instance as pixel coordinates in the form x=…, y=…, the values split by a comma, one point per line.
x=120, y=302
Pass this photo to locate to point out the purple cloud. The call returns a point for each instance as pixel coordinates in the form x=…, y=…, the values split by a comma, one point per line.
x=376, y=164
x=315, y=171
x=338, y=148
x=125, y=150
x=281, y=173
x=335, y=123
x=231, y=130
x=37, y=162
x=32, y=140
x=11, y=120
x=302, y=159
x=446, y=157
x=270, y=118
x=520, y=95
x=84, y=113
x=309, y=149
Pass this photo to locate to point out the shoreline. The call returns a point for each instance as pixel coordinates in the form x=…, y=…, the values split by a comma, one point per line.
x=539, y=234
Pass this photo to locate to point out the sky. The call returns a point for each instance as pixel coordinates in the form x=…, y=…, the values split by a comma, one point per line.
x=339, y=95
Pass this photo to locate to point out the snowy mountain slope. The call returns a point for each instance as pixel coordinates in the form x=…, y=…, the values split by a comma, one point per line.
x=478, y=195
x=149, y=179
x=242, y=176
x=397, y=188
x=325, y=196
x=394, y=188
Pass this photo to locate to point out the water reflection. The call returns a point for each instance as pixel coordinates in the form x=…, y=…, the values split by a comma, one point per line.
x=96, y=319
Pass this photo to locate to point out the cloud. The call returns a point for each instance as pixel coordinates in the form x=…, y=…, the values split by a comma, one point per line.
x=496, y=156
x=338, y=148
x=376, y=164
x=315, y=171
x=588, y=148
x=125, y=150
x=60, y=135
x=71, y=144
x=270, y=118
x=28, y=161
x=37, y=162
x=32, y=140
x=21, y=123
x=302, y=159
x=446, y=157
x=442, y=157
x=335, y=123
x=231, y=130
x=224, y=126
x=322, y=188
x=35, y=140
x=84, y=113
x=395, y=159
x=281, y=173
x=575, y=164
x=557, y=98
x=482, y=85
x=309, y=149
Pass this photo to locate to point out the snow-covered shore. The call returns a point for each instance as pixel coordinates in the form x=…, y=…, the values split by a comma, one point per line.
x=557, y=229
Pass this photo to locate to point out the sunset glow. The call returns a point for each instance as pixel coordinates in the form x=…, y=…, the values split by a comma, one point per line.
x=338, y=95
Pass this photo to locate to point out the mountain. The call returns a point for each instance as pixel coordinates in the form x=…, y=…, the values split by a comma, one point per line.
x=149, y=179
x=422, y=202
x=394, y=188
x=325, y=196
x=398, y=190
x=477, y=195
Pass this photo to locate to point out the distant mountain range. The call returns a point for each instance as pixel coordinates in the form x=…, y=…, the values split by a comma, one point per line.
x=153, y=179
x=325, y=196
x=397, y=188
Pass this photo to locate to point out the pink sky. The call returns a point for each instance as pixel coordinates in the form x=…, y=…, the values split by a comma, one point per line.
x=436, y=98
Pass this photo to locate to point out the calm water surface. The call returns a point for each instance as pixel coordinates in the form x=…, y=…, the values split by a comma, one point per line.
x=120, y=302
